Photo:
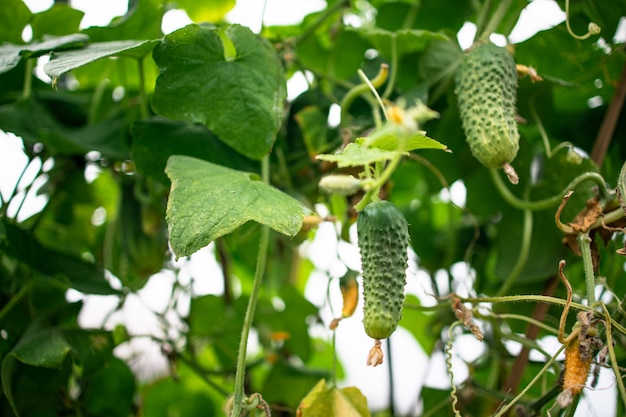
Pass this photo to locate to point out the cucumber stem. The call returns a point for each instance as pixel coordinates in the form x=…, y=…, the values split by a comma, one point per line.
x=239, y=394
x=550, y=201
x=584, y=244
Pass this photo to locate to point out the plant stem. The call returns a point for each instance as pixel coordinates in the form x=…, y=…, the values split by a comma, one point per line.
x=495, y=20
x=584, y=244
x=392, y=411
x=359, y=89
x=482, y=19
x=384, y=177
x=27, y=88
x=550, y=201
x=527, y=232
x=143, y=101
x=614, y=362
x=523, y=392
x=329, y=12
x=17, y=297
x=394, y=68
x=254, y=296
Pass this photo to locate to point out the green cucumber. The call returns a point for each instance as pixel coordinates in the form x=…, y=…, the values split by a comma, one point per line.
x=486, y=88
x=383, y=241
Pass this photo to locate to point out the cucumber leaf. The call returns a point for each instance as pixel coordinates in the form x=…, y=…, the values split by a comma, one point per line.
x=208, y=201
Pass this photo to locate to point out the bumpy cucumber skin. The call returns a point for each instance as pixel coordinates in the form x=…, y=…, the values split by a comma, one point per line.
x=383, y=241
x=486, y=87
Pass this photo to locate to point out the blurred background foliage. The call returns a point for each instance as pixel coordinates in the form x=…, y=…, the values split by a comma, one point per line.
x=100, y=141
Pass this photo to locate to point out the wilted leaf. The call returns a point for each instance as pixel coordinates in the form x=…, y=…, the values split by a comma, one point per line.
x=325, y=401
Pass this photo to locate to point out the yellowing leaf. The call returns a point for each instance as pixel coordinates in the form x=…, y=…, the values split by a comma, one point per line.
x=325, y=401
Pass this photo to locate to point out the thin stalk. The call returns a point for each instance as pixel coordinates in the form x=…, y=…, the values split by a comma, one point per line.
x=17, y=297
x=523, y=392
x=410, y=16
x=98, y=93
x=202, y=374
x=614, y=363
x=584, y=244
x=379, y=183
x=334, y=344
x=27, y=190
x=542, y=130
x=394, y=68
x=329, y=12
x=5, y=204
x=27, y=88
x=527, y=232
x=527, y=319
x=550, y=201
x=392, y=411
x=359, y=89
x=495, y=20
x=143, y=101
x=254, y=296
x=481, y=21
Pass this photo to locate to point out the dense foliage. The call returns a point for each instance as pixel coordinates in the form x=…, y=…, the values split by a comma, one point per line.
x=193, y=143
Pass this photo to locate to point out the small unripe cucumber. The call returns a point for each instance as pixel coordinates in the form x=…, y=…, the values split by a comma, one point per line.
x=486, y=88
x=383, y=242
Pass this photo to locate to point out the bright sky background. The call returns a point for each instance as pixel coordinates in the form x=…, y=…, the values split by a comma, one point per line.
x=352, y=343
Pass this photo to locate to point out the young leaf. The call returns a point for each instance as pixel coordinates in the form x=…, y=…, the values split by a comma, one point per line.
x=389, y=138
x=240, y=100
x=208, y=201
x=355, y=155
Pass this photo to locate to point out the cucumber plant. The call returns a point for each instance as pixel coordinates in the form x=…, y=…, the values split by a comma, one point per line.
x=193, y=133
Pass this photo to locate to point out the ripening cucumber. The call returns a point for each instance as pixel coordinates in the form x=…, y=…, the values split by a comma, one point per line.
x=383, y=241
x=486, y=89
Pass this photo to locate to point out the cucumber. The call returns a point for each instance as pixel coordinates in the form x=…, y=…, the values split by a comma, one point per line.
x=486, y=89
x=383, y=241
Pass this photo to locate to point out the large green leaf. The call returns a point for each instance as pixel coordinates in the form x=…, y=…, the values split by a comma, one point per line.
x=157, y=139
x=62, y=62
x=14, y=15
x=46, y=348
x=288, y=383
x=238, y=94
x=578, y=69
x=208, y=201
x=169, y=397
x=340, y=59
x=38, y=348
x=35, y=123
x=206, y=11
x=11, y=55
x=406, y=40
x=142, y=21
x=58, y=20
x=82, y=275
x=136, y=244
x=113, y=381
